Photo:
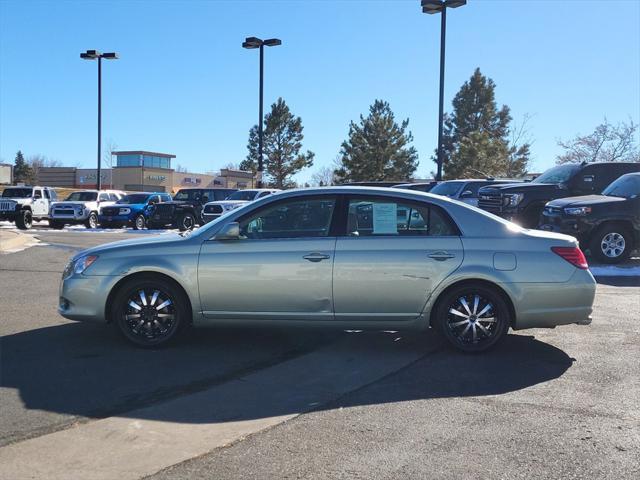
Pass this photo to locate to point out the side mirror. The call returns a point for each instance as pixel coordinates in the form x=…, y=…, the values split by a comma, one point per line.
x=466, y=194
x=231, y=231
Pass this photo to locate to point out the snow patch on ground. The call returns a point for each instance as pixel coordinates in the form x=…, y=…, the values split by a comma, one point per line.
x=615, y=271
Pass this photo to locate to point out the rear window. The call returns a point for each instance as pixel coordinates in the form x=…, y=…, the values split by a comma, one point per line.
x=16, y=193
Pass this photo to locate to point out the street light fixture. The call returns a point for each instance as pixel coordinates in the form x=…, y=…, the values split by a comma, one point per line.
x=96, y=55
x=431, y=7
x=251, y=43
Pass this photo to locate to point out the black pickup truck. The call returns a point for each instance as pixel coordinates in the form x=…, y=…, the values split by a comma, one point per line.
x=523, y=202
x=185, y=211
x=608, y=225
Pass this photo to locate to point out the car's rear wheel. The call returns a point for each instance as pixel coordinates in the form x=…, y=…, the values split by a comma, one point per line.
x=473, y=318
x=139, y=222
x=92, y=221
x=24, y=220
x=611, y=243
x=150, y=311
x=186, y=222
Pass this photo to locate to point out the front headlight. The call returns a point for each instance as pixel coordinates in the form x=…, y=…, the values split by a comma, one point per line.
x=578, y=211
x=513, y=199
x=124, y=211
x=79, y=265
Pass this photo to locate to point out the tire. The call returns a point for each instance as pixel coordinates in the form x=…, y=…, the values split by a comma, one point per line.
x=92, y=221
x=24, y=220
x=145, y=326
x=139, y=222
x=476, y=327
x=186, y=221
x=56, y=225
x=611, y=243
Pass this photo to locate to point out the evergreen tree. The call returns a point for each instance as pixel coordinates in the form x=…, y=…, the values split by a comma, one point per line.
x=282, y=142
x=476, y=134
x=377, y=148
x=22, y=171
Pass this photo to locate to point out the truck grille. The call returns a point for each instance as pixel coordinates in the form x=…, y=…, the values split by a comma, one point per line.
x=7, y=206
x=110, y=211
x=63, y=211
x=491, y=202
x=213, y=209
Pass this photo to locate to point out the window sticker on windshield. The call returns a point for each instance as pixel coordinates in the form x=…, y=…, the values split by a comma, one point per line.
x=385, y=218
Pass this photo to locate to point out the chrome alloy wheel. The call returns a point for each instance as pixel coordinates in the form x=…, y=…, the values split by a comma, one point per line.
x=472, y=319
x=149, y=314
x=612, y=244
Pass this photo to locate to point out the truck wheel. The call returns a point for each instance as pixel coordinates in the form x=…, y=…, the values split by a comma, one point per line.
x=57, y=225
x=139, y=223
x=92, y=221
x=186, y=221
x=24, y=220
x=611, y=243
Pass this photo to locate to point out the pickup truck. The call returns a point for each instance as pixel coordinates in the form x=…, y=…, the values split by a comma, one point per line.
x=23, y=205
x=523, y=203
x=82, y=208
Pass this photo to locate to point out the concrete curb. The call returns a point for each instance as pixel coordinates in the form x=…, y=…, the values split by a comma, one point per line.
x=13, y=240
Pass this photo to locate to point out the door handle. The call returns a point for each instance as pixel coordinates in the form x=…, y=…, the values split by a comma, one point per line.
x=441, y=256
x=316, y=257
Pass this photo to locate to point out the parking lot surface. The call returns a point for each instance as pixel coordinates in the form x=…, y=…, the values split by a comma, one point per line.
x=545, y=404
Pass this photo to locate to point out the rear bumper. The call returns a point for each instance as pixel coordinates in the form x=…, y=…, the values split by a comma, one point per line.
x=544, y=305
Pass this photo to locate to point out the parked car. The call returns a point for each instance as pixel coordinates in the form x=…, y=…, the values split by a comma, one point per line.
x=523, y=203
x=132, y=210
x=305, y=257
x=23, y=205
x=185, y=211
x=608, y=224
x=418, y=186
x=465, y=190
x=213, y=210
x=82, y=208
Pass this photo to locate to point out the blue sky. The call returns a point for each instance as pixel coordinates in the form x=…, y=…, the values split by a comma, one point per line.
x=185, y=86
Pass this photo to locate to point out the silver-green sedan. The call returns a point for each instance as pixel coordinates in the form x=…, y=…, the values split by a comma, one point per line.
x=349, y=257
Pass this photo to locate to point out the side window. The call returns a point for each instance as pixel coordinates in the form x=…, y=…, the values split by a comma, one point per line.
x=387, y=216
x=165, y=198
x=296, y=218
x=37, y=193
x=54, y=195
x=219, y=195
x=103, y=197
x=113, y=197
x=263, y=194
x=46, y=194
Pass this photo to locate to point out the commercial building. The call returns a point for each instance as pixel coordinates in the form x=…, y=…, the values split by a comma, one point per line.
x=6, y=174
x=143, y=171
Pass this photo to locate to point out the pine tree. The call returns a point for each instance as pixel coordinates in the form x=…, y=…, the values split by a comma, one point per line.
x=22, y=171
x=282, y=142
x=377, y=148
x=476, y=134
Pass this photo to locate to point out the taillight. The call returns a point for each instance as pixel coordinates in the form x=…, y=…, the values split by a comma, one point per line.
x=573, y=255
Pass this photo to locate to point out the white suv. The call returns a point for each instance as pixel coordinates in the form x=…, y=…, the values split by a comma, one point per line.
x=213, y=210
x=23, y=205
x=82, y=208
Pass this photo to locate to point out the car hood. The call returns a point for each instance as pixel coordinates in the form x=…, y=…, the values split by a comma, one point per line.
x=70, y=204
x=229, y=202
x=127, y=205
x=520, y=187
x=17, y=200
x=584, y=201
x=144, y=241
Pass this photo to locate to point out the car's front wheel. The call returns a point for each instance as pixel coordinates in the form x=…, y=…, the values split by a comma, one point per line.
x=150, y=311
x=139, y=222
x=186, y=222
x=611, y=243
x=92, y=221
x=24, y=220
x=473, y=318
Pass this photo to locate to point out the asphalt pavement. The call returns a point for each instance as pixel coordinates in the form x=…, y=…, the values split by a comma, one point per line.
x=274, y=403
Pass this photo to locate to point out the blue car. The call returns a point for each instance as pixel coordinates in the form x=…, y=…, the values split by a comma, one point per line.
x=133, y=210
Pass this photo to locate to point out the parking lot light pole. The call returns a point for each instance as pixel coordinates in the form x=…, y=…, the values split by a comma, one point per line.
x=252, y=43
x=96, y=55
x=431, y=7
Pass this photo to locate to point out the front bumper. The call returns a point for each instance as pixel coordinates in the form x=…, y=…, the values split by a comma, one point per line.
x=560, y=224
x=210, y=217
x=75, y=217
x=115, y=219
x=83, y=297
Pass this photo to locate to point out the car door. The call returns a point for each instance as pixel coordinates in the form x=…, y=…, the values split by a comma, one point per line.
x=280, y=268
x=40, y=205
x=394, y=253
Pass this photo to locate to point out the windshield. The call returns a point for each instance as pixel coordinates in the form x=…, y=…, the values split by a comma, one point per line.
x=627, y=186
x=82, y=197
x=559, y=174
x=134, y=198
x=17, y=193
x=187, y=195
x=448, y=189
x=243, y=195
